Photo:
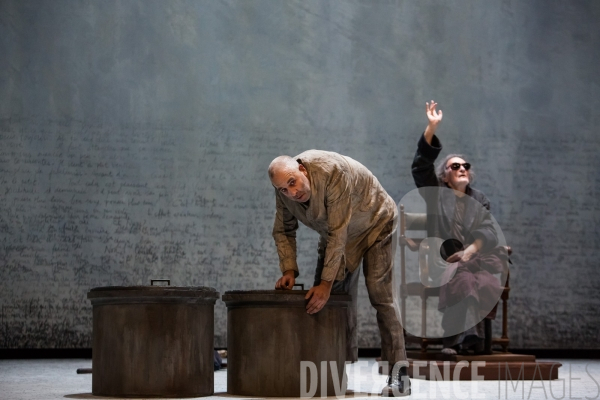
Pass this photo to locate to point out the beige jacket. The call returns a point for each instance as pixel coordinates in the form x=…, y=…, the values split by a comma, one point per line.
x=348, y=207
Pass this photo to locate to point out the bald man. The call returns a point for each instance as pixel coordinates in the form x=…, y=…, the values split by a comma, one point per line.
x=355, y=217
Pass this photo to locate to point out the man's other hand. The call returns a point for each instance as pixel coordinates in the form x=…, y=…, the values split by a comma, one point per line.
x=318, y=296
x=286, y=281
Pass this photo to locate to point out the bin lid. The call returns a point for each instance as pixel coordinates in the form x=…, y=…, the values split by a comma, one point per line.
x=145, y=294
x=288, y=298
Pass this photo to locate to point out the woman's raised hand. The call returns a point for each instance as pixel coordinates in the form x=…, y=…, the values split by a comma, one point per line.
x=434, y=116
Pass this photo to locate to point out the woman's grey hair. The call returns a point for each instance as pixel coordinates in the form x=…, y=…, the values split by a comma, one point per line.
x=441, y=169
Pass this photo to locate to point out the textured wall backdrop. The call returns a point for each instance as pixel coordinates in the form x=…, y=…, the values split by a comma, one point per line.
x=135, y=136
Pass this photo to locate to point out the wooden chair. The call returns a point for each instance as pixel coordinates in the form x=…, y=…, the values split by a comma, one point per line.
x=418, y=222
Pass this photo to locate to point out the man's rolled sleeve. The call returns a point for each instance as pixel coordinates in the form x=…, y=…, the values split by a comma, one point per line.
x=284, y=233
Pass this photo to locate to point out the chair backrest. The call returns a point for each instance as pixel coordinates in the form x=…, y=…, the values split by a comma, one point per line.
x=412, y=221
x=415, y=221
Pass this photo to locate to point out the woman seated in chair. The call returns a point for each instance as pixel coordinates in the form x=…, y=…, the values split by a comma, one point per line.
x=469, y=255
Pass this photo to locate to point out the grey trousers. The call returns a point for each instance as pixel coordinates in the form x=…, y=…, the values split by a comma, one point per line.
x=378, y=269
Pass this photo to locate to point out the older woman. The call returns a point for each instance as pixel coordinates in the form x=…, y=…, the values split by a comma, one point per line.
x=469, y=255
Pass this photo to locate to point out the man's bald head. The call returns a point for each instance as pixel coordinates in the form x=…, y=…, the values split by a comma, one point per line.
x=282, y=163
x=290, y=178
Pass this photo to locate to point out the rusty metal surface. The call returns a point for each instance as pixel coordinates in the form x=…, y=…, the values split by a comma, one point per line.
x=286, y=298
x=131, y=292
x=269, y=333
x=153, y=349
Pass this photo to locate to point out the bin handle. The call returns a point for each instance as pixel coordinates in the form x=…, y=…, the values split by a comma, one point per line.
x=299, y=284
x=160, y=280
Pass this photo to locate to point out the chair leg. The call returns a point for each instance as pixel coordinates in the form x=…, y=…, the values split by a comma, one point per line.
x=423, y=317
x=488, y=336
x=505, y=322
x=423, y=324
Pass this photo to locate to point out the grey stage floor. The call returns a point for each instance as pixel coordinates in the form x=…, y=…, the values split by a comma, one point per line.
x=57, y=379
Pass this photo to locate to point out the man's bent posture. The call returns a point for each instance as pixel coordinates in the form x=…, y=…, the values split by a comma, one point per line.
x=355, y=217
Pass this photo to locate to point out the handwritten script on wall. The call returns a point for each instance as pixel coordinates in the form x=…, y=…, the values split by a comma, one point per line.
x=84, y=205
x=90, y=205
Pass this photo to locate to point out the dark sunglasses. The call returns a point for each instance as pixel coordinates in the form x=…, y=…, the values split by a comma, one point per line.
x=456, y=166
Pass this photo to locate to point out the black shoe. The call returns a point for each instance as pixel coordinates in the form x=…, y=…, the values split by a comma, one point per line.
x=398, y=385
